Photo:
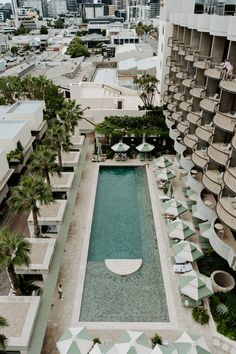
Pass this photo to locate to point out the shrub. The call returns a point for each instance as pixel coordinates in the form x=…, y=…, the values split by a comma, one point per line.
x=200, y=315
x=96, y=340
x=156, y=339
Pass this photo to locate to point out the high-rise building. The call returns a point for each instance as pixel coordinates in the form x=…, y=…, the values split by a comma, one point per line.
x=200, y=94
x=57, y=7
x=154, y=8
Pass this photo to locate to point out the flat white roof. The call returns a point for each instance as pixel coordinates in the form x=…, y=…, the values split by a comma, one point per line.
x=108, y=76
x=25, y=107
x=50, y=214
x=10, y=128
x=4, y=110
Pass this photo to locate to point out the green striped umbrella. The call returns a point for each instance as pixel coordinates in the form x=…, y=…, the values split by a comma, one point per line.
x=162, y=162
x=191, y=194
x=204, y=228
x=120, y=147
x=161, y=349
x=145, y=147
x=189, y=343
x=131, y=342
x=195, y=285
x=180, y=229
x=187, y=250
x=175, y=207
x=75, y=341
x=164, y=174
x=103, y=349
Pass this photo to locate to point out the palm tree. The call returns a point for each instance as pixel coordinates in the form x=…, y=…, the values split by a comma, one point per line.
x=3, y=338
x=31, y=192
x=14, y=250
x=43, y=163
x=69, y=116
x=57, y=139
x=147, y=88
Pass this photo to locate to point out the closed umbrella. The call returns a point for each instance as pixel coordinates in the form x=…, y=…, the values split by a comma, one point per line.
x=165, y=174
x=195, y=285
x=131, y=342
x=189, y=343
x=162, y=162
x=99, y=149
x=180, y=229
x=187, y=250
x=75, y=341
x=175, y=207
x=120, y=147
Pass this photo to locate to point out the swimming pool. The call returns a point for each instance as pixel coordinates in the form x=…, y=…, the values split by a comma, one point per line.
x=123, y=228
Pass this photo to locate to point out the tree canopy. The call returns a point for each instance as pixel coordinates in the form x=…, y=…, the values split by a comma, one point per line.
x=77, y=49
x=59, y=23
x=13, y=88
x=152, y=123
x=147, y=89
x=43, y=30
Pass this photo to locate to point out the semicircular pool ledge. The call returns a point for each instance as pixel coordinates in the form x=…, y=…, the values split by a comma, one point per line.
x=123, y=266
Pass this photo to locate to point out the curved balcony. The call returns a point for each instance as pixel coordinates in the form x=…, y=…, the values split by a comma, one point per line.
x=179, y=145
x=212, y=180
x=181, y=75
x=213, y=73
x=225, y=121
x=197, y=91
x=183, y=127
x=229, y=178
x=193, y=118
x=189, y=57
x=219, y=153
x=173, y=133
x=176, y=116
x=168, y=121
x=206, y=203
x=226, y=211
x=167, y=98
x=173, y=88
x=208, y=104
x=186, y=162
x=170, y=61
x=204, y=132
x=172, y=41
x=168, y=80
x=175, y=68
x=188, y=82
x=228, y=83
x=233, y=141
x=190, y=140
x=178, y=96
x=200, y=158
x=194, y=182
x=223, y=243
x=172, y=107
x=186, y=106
x=201, y=61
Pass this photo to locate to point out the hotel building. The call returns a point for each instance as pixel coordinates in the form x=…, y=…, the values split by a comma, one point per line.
x=194, y=39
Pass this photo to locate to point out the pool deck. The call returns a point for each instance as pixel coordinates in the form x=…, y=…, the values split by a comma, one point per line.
x=64, y=313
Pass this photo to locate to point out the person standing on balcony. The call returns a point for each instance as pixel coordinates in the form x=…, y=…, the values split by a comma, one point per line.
x=227, y=66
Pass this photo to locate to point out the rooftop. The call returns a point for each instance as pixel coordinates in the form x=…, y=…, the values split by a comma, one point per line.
x=10, y=129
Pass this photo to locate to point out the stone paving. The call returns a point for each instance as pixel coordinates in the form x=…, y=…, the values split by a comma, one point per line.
x=65, y=313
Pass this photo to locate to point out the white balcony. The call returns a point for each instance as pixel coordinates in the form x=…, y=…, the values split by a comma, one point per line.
x=230, y=178
x=212, y=180
x=200, y=158
x=226, y=211
x=186, y=162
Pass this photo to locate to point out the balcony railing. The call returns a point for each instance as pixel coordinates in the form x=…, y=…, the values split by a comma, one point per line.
x=213, y=70
x=228, y=83
x=230, y=178
x=200, y=158
x=170, y=61
x=172, y=41
x=226, y=211
x=201, y=61
x=188, y=82
x=219, y=152
x=212, y=180
x=204, y=132
x=194, y=118
x=190, y=140
x=225, y=121
x=183, y=127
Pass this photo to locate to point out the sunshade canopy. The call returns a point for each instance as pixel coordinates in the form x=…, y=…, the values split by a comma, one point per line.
x=187, y=250
x=75, y=341
x=162, y=162
x=131, y=342
x=120, y=147
x=195, y=285
x=191, y=344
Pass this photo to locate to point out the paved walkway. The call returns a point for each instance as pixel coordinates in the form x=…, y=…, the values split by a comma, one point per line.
x=64, y=312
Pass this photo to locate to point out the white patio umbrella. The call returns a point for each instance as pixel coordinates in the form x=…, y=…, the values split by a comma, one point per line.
x=165, y=174
x=189, y=343
x=75, y=341
x=162, y=162
x=120, y=147
x=180, y=229
x=131, y=342
x=103, y=349
x=175, y=207
x=187, y=250
x=145, y=147
x=161, y=349
x=195, y=285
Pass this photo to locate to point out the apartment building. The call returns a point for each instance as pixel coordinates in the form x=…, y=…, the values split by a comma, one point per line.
x=201, y=109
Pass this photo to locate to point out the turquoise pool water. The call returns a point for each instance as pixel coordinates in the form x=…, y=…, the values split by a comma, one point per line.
x=123, y=227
